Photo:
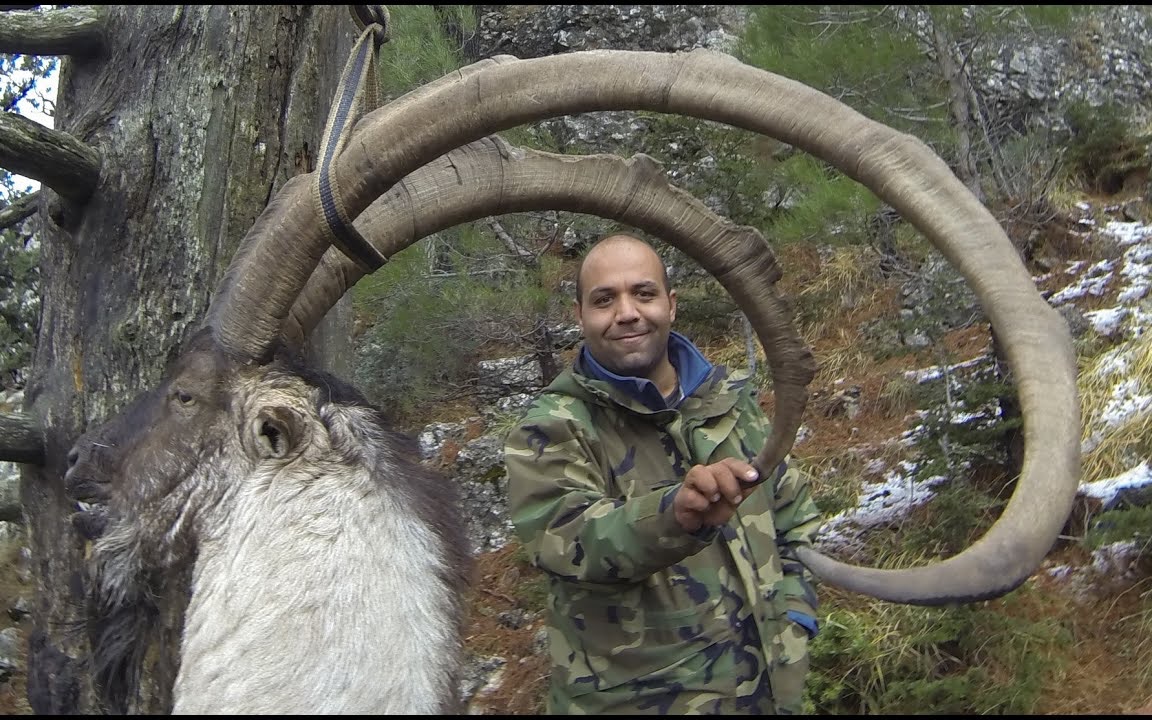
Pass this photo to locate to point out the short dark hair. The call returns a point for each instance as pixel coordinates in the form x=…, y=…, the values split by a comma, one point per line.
x=617, y=236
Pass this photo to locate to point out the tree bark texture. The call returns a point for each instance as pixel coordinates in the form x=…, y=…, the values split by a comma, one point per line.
x=54, y=158
x=21, y=439
x=70, y=30
x=200, y=113
x=19, y=210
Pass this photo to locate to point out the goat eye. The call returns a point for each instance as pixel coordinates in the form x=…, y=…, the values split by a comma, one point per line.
x=184, y=398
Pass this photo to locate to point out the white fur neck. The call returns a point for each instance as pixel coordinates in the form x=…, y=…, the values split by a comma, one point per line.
x=318, y=595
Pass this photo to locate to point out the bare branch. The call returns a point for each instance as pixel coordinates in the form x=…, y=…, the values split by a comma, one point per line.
x=55, y=158
x=73, y=30
x=20, y=440
x=525, y=256
x=23, y=207
x=440, y=274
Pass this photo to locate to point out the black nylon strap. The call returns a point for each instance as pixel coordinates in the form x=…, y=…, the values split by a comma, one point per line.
x=355, y=93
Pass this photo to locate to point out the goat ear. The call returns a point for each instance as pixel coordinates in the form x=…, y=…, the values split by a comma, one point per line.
x=277, y=432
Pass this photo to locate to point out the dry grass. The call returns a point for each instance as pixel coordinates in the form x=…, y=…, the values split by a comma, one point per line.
x=1123, y=372
x=841, y=356
x=505, y=583
x=735, y=355
x=1106, y=670
x=898, y=396
x=849, y=272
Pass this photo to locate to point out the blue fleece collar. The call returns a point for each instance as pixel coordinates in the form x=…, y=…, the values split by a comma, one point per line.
x=692, y=369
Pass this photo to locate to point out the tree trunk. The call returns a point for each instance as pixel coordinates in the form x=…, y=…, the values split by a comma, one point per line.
x=543, y=348
x=958, y=97
x=200, y=113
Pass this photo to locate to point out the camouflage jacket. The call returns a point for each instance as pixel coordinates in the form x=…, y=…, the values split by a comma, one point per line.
x=645, y=617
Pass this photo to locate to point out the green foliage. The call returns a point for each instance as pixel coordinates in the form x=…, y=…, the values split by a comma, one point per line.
x=419, y=351
x=823, y=205
x=756, y=181
x=439, y=307
x=962, y=430
x=19, y=304
x=957, y=514
x=853, y=54
x=861, y=54
x=22, y=88
x=1120, y=525
x=879, y=59
x=963, y=422
x=421, y=48
x=727, y=168
x=883, y=61
x=961, y=445
x=502, y=423
x=1102, y=144
x=434, y=308
x=905, y=660
x=705, y=312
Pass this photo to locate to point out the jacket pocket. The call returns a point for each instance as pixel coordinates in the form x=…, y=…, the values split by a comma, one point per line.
x=790, y=671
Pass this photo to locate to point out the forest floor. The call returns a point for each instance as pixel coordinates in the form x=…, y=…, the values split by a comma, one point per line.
x=15, y=628
x=1097, y=674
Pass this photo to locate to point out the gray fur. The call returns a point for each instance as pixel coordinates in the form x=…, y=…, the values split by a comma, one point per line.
x=328, y=564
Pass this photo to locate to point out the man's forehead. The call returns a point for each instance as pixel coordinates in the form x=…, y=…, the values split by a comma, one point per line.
x=619, y=260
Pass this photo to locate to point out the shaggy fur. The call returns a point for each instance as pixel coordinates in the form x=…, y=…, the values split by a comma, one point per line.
x=328, y=564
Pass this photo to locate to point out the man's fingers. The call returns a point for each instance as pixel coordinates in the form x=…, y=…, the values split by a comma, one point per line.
x=727, y=483
x=700, y=479
x=691, y=507
x=713, y=491
x=691, y=499
x=742, y=470
x=725, y=480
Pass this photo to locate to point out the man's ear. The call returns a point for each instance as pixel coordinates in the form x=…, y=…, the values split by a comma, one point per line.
x=577, y=316
x=672, y=305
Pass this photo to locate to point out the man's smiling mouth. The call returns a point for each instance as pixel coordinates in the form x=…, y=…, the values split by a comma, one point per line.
x=636, y=336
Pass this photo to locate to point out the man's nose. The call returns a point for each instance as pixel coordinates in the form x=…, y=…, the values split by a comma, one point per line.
x=626, y=311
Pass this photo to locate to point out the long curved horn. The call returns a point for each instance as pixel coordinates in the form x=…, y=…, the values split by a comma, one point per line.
x=393, y=141
x=251, y=331
x=490, y=177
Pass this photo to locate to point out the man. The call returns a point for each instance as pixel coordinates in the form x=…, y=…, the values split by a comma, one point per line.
x=674, y=588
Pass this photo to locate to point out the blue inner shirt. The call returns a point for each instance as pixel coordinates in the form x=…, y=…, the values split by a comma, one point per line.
x=692, y=369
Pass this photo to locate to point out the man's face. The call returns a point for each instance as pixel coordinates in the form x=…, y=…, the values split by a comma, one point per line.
x=626, y=312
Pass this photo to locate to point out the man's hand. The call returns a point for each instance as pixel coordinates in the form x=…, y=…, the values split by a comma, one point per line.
x=710, y=493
